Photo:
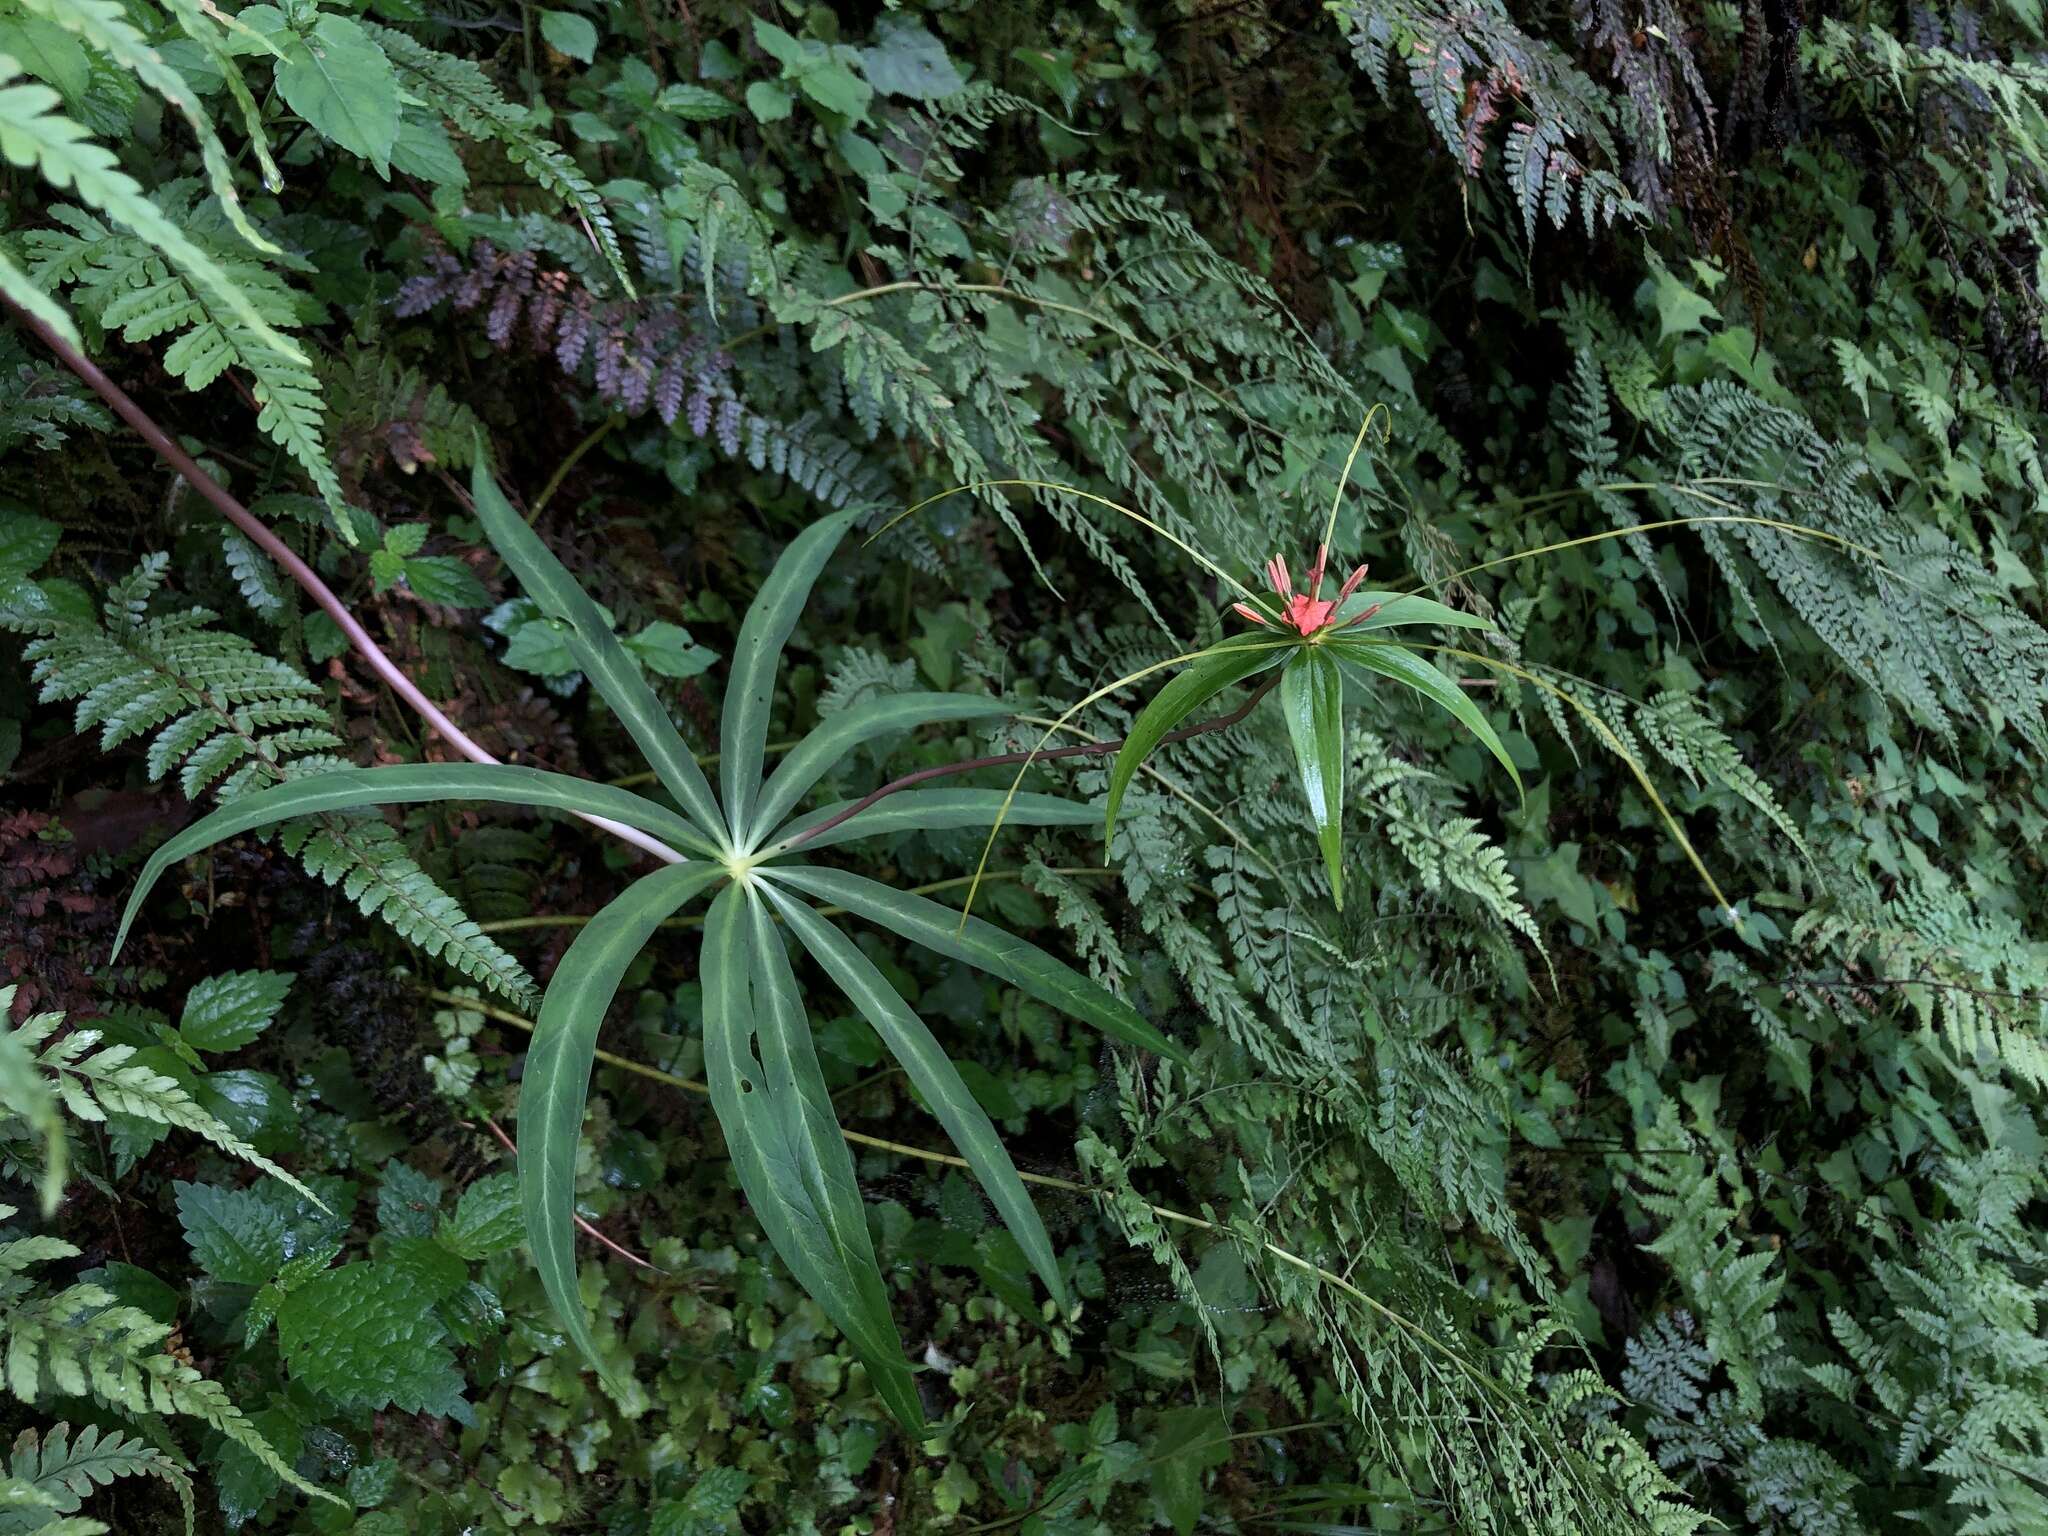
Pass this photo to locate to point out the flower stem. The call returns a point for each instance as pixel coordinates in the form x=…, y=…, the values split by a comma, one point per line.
x=295, y=567
x=1012, y=759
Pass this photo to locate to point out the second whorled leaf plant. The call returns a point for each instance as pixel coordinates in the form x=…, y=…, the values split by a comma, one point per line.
x=744, y=848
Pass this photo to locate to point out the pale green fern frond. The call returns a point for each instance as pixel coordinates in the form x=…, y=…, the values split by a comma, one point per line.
x=103, y=25
x=68, y=1469
x=35, y=135
x=81, y=1342
x=94, y=1083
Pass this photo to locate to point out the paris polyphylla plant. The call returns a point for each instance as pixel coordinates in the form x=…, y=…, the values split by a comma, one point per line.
x=740, y=847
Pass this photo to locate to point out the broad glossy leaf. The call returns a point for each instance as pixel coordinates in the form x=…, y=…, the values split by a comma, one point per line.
x=1188, y=690
x=1404, y=666
x=1398, y=608
x=339, y=80
x=792, y=1162
x=1312, y=702
x=839, y=734
x=598, y=652
x=921, y=1056
x=743, y=728
x=981, y=945
x=935, y=810
x=556, y=1084
x=354, y=788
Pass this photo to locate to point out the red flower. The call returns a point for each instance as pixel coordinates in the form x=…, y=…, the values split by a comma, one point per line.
x=1308, y=613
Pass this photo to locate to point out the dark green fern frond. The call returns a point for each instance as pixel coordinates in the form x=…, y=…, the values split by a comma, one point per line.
x=228, y=719
x=459, y=91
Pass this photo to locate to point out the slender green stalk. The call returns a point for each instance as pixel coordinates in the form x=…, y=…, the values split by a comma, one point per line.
x=575, y=457
x=1102, y=501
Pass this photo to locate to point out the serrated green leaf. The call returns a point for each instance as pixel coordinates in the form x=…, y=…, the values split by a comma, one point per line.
x=936, y=1078
x=983, y=946
x=1404, y=666
x=743, y=728
x=1187, y=691
x=836, y=735
x=598, y=652
x=1312, y=703
x=487, y=1218
x=937, y=810
x=556, y=1083
x=408, y=1201
x=776, y=1113
x=410, y=784
x=447, y=580
x=228, y=1011
x=236, y=1235
x=359, y=1336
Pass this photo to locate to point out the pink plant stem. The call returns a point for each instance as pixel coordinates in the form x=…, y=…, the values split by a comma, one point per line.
x=308, y=579
x=588, y=1230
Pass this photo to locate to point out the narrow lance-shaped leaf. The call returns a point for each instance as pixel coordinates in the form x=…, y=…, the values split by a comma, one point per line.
x=1312, y=702
x=836, y=735
x=936, y=810
x=1404, y=666
x=921, y=1056
x=1189, y=689
x=1400, y=608
x=786, y=1148
x=983, y=946
x=597, y=651
x=743, y=728
x=354, y=788
x=556, y=1084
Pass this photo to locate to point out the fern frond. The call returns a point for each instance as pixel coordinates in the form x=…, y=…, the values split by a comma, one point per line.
x=226, y=716
x=35, y=135
x=102, y=24
x=91, y=1084
x=123, y=284
x=68, y=1470
x=459, y=91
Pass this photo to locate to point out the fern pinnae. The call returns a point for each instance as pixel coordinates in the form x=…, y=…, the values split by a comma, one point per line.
x=33, y=133
x=223, y=714
x=121, y=282
x=102, y=24
x=459, y=90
